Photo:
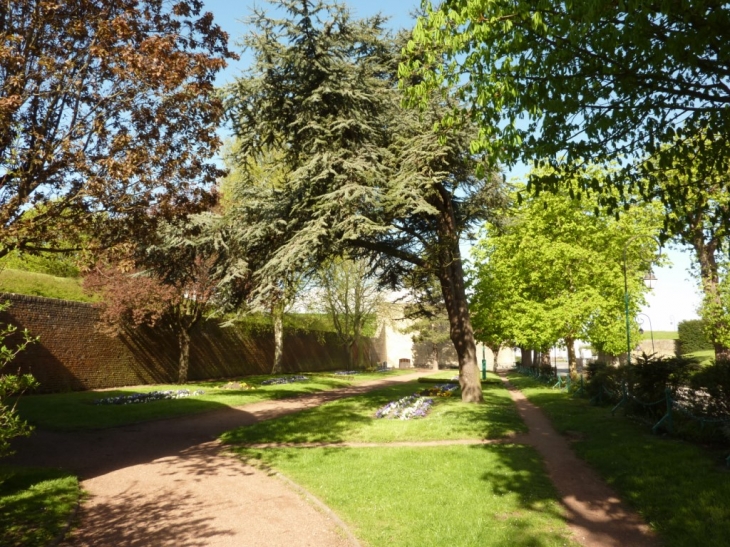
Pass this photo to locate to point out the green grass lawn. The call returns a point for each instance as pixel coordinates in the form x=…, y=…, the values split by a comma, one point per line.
x=660, y=335
x=38, y=284
x=352, y=420
x=682, y=490
x=77, y=411
x=486, y=496
x=35, y=505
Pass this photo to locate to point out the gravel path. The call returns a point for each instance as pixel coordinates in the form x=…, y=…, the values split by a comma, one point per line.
x=171, y=483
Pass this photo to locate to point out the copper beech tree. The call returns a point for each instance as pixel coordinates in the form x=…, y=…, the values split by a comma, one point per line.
x=107, y=111
x=168, y=284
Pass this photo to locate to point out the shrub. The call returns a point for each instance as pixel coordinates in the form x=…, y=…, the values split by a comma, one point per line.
x=11, y=385
x=691, y=337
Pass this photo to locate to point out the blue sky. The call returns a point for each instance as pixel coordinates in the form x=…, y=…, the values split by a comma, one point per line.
x=675, y=297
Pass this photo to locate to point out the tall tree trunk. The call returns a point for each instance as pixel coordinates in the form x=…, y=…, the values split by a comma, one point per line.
x=277, y=315
x=495, y=354
x=716, y=320
x=572, y=362
x=451, y=277
x=183, y=340
x=526, y=357
x=434, y=356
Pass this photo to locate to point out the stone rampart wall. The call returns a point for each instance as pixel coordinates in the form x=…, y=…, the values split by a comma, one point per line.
x=73, y=353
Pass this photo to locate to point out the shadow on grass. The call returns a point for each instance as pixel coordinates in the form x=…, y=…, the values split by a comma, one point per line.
x=353, y=419
x=34, y=504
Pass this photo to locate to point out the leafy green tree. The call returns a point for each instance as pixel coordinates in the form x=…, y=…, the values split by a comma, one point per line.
x=366, y=178
x=554, y=273
x=567, y=82
x=12, y=385
x=699, y=221
x=107, y=111
x=241, y=192
x=350, y=295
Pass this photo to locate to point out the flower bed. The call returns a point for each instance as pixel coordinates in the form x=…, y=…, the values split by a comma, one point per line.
x=284, y=380
x=135, y=398
x=441, y=390
x=406, y=408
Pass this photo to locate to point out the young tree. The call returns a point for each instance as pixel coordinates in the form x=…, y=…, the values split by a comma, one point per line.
x=595, y=81
x=171, y=282
x=366, y=177
x=559, y=272
x=12, y=385
x=107, y=110
x=351, y=297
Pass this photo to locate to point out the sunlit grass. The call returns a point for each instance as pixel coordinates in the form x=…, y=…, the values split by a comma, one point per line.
x=76, y=410
x=401, y=496
x=470, y=496
x=353, y=420
x=38, y=284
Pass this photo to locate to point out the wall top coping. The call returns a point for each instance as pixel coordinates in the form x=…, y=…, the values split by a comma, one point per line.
x=43, y=300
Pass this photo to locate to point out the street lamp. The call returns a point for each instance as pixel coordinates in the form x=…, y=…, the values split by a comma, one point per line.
x=651, y=329
x=649, y=279
x=484, y=361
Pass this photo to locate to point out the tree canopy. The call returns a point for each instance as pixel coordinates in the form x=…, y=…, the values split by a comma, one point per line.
x=553, y=274
x=107, y=112
x=364, y=176
x=587, y=80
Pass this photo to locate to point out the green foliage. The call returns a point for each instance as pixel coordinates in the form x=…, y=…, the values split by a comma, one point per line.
x=691, y=337
x=553, y=272
x=48, y=286
x=35, y=505
x=12, y=386
x=586, y=80
x=362, y=176
x=715, y=380
x=646, y=379
x=57, y=265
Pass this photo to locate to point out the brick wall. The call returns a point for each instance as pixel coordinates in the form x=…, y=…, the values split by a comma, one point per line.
x=73, y=354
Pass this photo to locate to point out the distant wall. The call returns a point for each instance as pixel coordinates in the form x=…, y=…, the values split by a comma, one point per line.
x=73, y=354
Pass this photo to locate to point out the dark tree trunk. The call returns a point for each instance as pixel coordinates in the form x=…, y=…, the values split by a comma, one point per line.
x=495, y=353
x=451, y=276
x=572, y=362
x=183, y=339
x=526, y=359
x=277, y=314
x=705, y=252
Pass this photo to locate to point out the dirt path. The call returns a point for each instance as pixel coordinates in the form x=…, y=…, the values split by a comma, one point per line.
x=171, y=483
x=595, y=514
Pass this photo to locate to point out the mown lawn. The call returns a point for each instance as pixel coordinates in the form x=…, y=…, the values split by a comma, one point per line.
x=682, y=490
x=398, y=496
x=38, y=284
x=77, y=411
x=35, y=505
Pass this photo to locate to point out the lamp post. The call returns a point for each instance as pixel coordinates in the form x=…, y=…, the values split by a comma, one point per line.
x=484, y=361
x=651, y=329
x=649, y=279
